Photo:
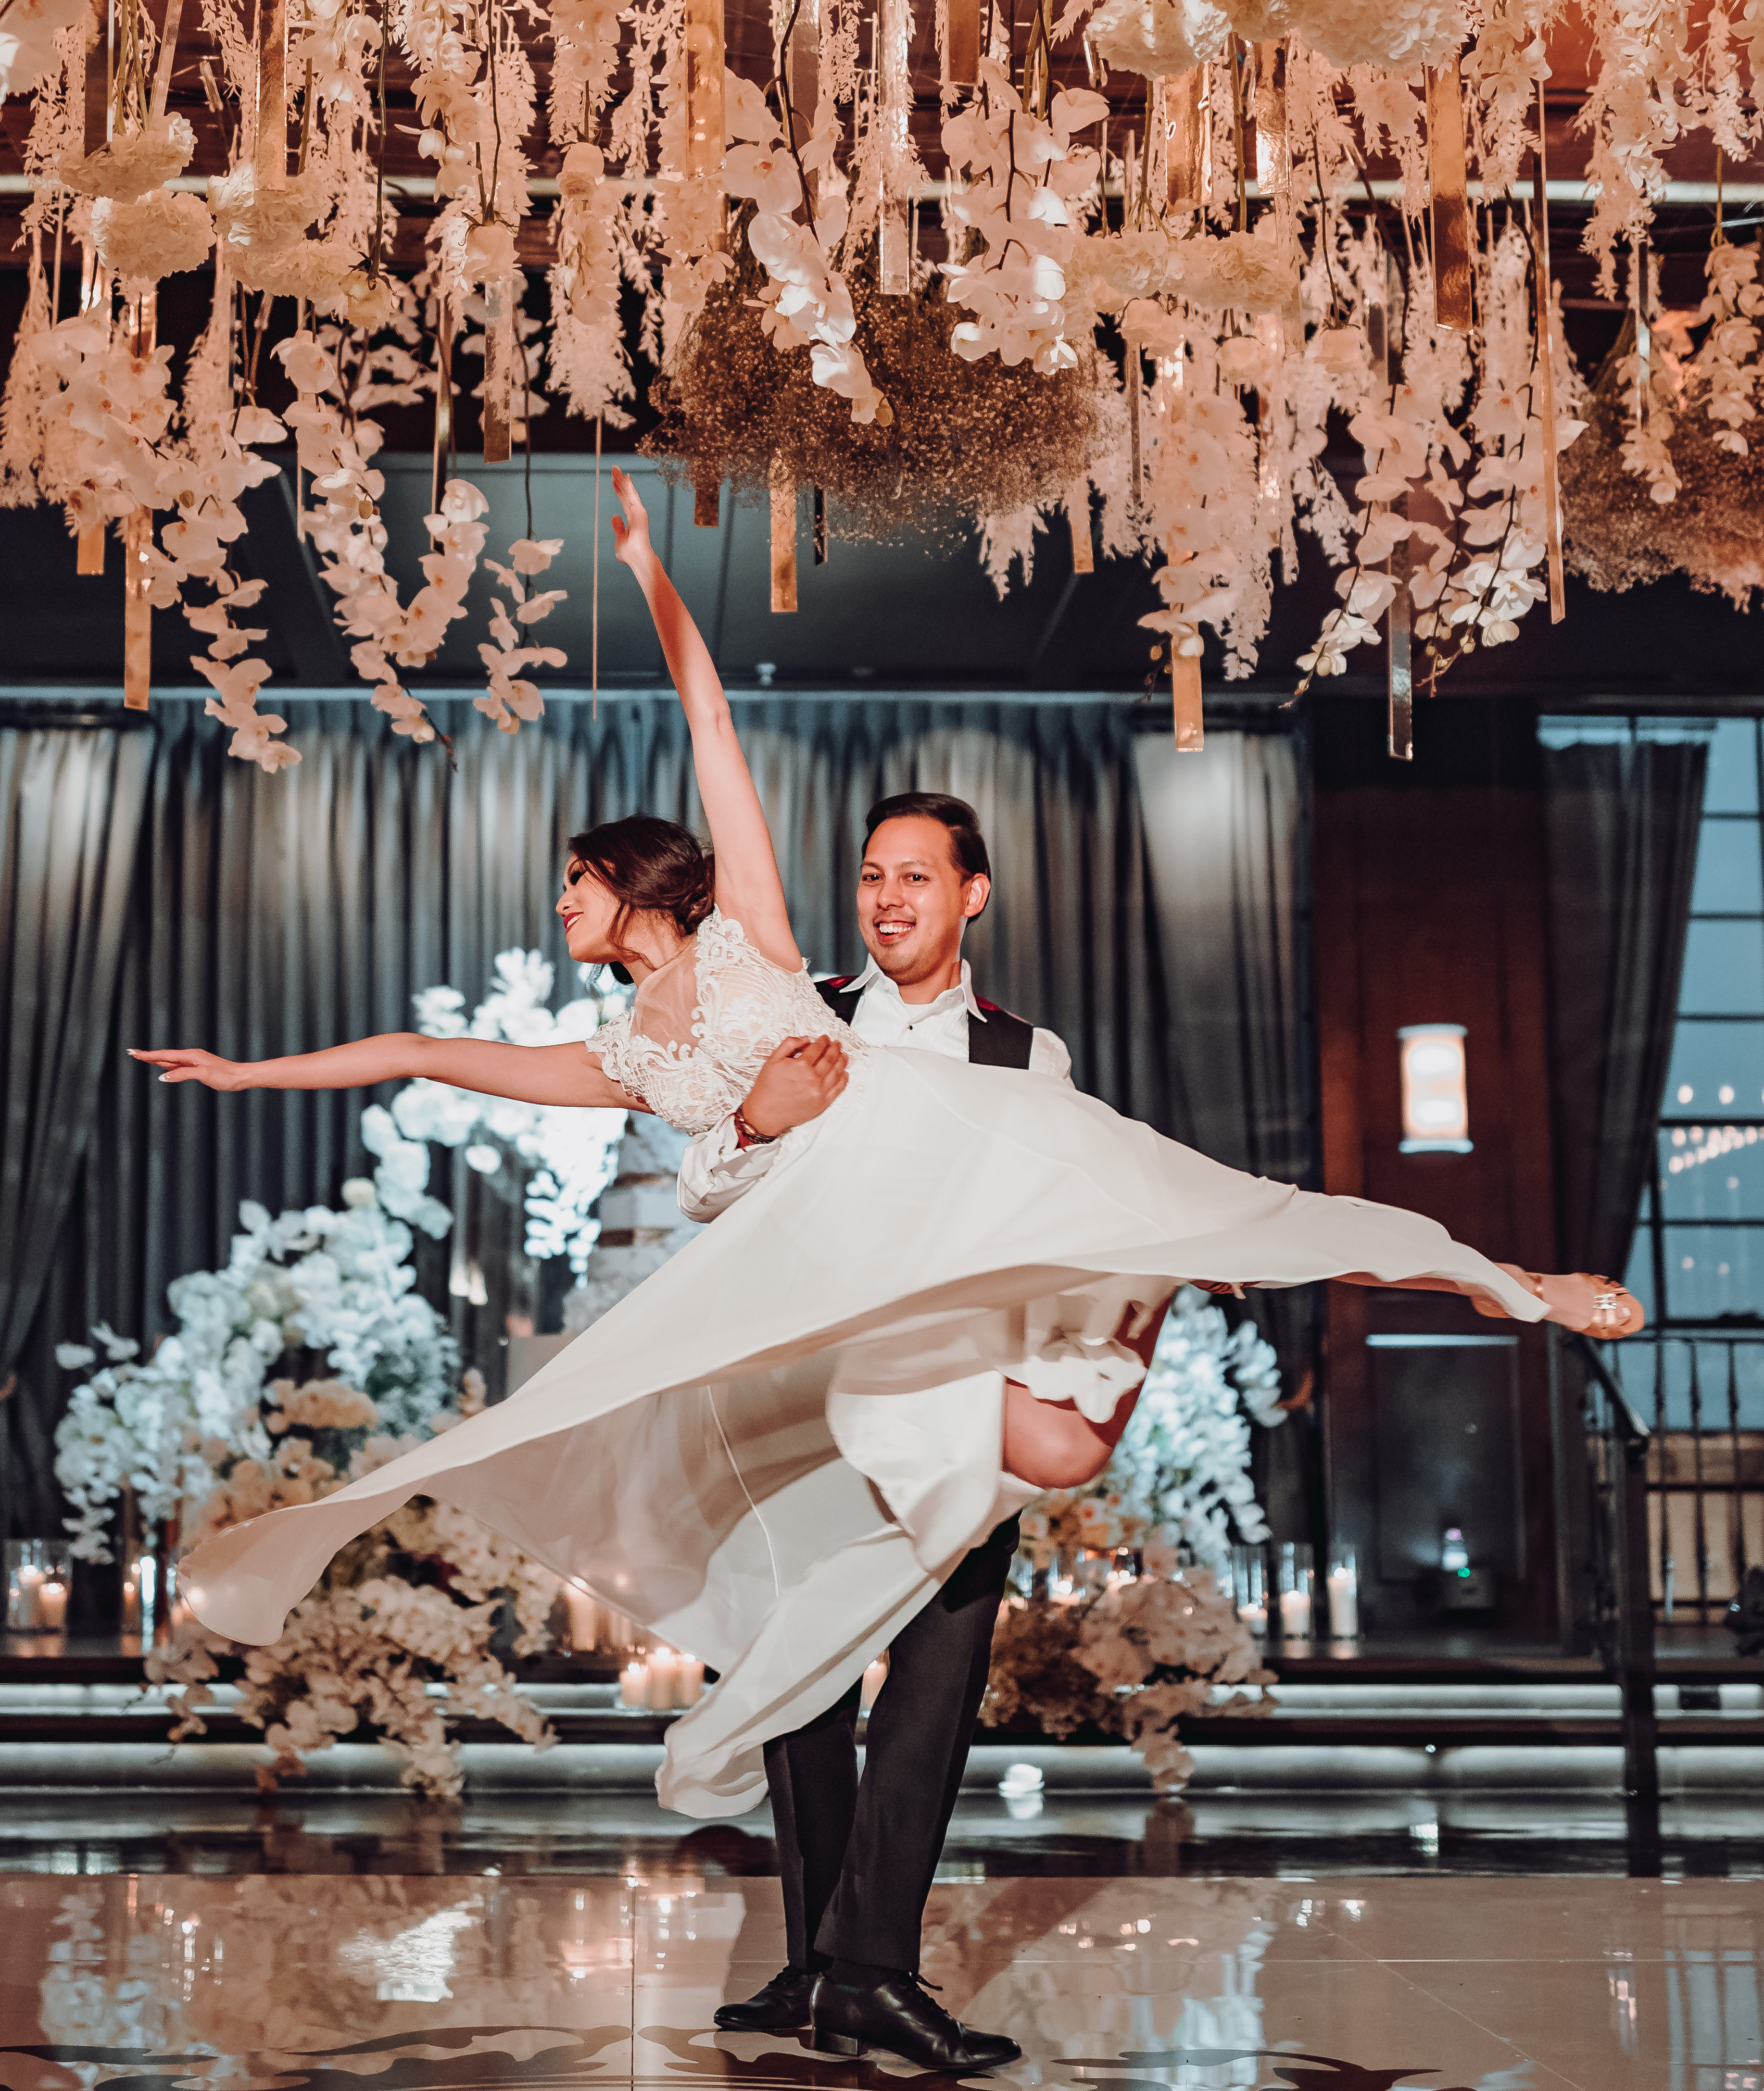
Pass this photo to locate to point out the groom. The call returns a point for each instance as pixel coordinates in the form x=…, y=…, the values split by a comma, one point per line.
x=859, y=1857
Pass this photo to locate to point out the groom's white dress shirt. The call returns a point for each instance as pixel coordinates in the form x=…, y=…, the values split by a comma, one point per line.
x=716, y=1169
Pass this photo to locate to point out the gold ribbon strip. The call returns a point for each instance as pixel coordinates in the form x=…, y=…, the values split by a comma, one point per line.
x=143, y=322
x=962, y=53
x=168, y=51
x=1552, y=493
x=137, y=611
x=272, y=156
x=1400, y=671
x=89, y=558
x=1453, y=295
x=1185, y=695
x=1077, y=514
x=1187, y=138
x=783, y=491
x=499, y=359
x=894, y=31
x=705, y=140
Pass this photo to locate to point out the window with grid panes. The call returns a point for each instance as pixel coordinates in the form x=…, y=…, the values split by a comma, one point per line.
x=1699, y=1250
x=1698, y=1254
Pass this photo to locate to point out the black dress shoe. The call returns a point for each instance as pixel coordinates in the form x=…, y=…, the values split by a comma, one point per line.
x=784, y=2002
x=898, y=2017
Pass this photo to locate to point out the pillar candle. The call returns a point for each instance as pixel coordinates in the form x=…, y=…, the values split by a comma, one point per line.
x=584, y=1618
x=634, y=1683
x=689, y=1688
x=52, y=1606
x=664, y=1674
x=1343, y=1586
x=131, y=1604
x=1295, y=1615
x=1256, y=1618
x=27, y=1613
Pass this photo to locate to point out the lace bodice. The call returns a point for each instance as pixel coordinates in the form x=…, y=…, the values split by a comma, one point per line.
x=701, y=1026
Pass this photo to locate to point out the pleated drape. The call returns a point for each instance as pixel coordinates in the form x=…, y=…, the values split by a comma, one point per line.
x=70, y=805
x=1622, y=822
x=269, y=914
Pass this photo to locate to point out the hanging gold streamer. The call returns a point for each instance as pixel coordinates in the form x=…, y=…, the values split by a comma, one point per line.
x=444, y=402
x=1186, y=694
x=499, y=359
x=705, y=142
x=1187, y=138
x=1273, y=154
x=1552, y=494
x=783, y=490
x=962, y=52
x=1446, y=174
x=89, y=558
x=137, y=611
x=272, y=158
x=168, y=51
x=1401, y=677
x=1077, y=514
x=803, y=76
x=894, y=33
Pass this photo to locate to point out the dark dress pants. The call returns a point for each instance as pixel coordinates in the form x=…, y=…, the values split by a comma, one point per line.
x=857, y=1858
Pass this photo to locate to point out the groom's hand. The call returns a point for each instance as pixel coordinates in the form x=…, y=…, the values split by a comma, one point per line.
x=798, y=1081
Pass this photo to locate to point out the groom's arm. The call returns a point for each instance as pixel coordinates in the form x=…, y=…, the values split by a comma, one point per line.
x=799, y=1080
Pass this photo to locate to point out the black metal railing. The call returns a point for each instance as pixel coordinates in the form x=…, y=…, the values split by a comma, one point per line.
x=1622, y=1607
x=1701, y=1393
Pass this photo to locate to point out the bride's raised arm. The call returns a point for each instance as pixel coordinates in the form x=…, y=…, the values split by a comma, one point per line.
x=748, y=886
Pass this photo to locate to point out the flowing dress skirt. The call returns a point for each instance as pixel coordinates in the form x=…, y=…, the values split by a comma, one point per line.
x=774, y=1449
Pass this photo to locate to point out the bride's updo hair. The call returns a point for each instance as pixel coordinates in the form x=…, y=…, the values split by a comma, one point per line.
x=650, y=867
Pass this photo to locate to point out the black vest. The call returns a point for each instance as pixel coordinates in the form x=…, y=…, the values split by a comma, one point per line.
x=1003, y=1041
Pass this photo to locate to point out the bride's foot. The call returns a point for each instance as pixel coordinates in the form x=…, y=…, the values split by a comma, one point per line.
x=1596, y=1307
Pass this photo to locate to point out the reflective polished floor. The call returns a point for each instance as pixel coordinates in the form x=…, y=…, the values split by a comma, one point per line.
x=345, y=1982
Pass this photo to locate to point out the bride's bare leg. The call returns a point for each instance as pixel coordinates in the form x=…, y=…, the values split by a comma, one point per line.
x=1575, y=1299
x=1050, y=1443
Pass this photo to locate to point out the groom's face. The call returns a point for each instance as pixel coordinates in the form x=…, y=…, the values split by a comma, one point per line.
x=914, y=900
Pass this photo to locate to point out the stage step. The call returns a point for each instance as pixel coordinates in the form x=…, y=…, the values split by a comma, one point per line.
x=1319, y=1737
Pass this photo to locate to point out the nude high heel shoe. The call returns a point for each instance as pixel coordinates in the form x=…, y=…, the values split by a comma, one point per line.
x=1611, y=1314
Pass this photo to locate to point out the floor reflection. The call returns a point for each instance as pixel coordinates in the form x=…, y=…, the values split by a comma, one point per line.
x=339, y=1982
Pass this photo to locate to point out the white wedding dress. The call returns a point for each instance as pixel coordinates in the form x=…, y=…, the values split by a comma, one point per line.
x=774, y=1450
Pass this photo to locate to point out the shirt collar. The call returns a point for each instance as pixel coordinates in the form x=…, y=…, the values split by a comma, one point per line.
x=873, y=973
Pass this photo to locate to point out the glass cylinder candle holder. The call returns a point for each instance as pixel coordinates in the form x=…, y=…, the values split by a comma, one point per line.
x=1250, y=1588
x=1298, y=1577
x=1341, y=1586
x=39, y=1576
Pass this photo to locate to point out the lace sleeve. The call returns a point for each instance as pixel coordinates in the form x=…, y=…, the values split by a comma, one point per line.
x=612, y=1047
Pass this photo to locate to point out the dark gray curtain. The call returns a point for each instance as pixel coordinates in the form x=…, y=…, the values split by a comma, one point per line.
x=1223, y=841
x=274, y=914
x=70, y=807
x=1621, y=824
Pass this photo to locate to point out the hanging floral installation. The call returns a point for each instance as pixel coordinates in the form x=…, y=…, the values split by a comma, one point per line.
x=1129, y=277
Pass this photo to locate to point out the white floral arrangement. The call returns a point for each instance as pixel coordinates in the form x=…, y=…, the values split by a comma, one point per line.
x=572, y=1153
x=1182, y=1467
x=1135, y=1659
x=416, y=1601
x=338, y=1283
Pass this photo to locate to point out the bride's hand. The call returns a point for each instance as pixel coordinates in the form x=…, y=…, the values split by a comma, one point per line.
x=630, y=531
x=189, y=1064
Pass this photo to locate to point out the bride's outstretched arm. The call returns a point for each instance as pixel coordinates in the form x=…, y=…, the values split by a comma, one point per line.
x=748, y=886
x=531, y=1074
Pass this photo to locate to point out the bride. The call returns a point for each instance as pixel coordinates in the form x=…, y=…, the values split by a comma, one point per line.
x=941, y=1300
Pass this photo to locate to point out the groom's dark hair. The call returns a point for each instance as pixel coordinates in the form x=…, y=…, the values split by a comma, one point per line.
x=967, y=845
